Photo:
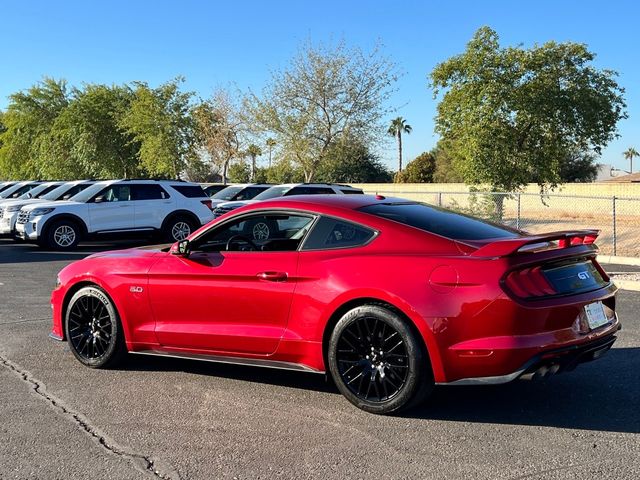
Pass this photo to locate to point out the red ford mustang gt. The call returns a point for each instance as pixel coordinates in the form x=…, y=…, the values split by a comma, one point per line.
x=387, y=295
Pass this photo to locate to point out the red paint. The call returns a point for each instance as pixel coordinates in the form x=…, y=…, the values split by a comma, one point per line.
x=277, y=305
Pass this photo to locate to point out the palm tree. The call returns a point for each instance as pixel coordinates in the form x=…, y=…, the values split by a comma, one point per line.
x=629, y=154
x=253, y=151
x=396, y=129
x=270, y=144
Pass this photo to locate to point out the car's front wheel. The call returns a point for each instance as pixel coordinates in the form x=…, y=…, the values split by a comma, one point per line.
x=63, y=235
x=377, y=361
x=93, y=329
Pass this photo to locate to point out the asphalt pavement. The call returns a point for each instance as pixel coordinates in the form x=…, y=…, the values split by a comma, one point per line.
x=167, y=418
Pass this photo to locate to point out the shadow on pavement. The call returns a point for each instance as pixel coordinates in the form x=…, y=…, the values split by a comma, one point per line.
x=603, y=395
x=15, y=252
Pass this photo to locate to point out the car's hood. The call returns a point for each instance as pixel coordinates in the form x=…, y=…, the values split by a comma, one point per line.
x=237, y=204
x=47, y=204
x=133, y=253
x=26, y=201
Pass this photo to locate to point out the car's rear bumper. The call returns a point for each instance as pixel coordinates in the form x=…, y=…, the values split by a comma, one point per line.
x=549, y=360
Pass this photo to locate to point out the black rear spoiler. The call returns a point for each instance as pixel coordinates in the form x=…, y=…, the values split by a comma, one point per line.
x=510, y=246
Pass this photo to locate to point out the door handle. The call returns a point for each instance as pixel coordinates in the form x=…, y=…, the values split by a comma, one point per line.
x=273, y=276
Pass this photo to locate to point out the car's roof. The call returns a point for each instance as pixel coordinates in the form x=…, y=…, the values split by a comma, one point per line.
x=349, y=202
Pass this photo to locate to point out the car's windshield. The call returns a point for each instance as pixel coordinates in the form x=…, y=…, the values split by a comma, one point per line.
x=228, y=193
x=272, y=192
x=40, y=191
x=58, y=192
x=85, y=195
x=11, y=193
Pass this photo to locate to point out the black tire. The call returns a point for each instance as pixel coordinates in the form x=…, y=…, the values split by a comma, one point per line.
x=93, y=329
x=63, y=235
x=261, y=230
x=377, y=361
x=178, y=227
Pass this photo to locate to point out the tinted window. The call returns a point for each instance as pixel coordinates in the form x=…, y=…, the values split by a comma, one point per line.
x=116, y=193
x=149, y=192
x=46, y=190
x=352, y=192
x=440, y=221
x=249, y=192
x=227, y=193
x=310, y=191
x=72, y=191
x=212, y=189
x=190, y=191
x=264, y=232
x=333, y=233
x=22, y=190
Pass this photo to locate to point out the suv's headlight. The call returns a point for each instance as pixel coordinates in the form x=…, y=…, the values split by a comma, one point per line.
x=13, y=208
x=36, y=212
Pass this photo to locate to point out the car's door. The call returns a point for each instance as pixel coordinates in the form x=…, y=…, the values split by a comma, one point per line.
x=229, y=294
x=151, y=204
x=112, y=209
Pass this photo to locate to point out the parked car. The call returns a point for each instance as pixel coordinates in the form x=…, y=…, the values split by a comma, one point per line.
x=117, y=207
x=243, y=191
x=287, y=190
x=212, y=189
x=5, y=185
x=388, y=296
x=50, y=192
x=17, y=189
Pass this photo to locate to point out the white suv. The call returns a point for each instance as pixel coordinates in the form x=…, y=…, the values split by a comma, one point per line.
x=43, y=193
x=172, y=208
x=286, y=190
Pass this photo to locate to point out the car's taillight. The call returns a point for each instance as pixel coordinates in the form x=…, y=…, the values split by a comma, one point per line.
x=528, y=283
x=207, y=203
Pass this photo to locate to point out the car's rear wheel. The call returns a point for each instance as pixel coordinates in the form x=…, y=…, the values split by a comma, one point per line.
x=63, y=235
x=178, y=228
x=93, y=329
x=377, y=361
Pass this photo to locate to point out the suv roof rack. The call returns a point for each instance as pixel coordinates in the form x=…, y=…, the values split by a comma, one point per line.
x=328, y=183
x=155, y=179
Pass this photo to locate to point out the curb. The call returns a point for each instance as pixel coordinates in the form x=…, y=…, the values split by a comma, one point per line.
x=631, y=285
x=633, y=261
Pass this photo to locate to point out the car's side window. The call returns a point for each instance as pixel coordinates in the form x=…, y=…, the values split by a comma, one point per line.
x=268, y=232
x=149, y=192
x=116, y=193
x=330, y=233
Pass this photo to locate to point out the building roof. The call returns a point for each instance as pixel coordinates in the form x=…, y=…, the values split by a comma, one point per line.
x=631, y=178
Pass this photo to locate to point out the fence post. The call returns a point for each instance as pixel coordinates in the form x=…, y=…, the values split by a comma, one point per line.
x=518, y=215
x=615, y=239
x=439, y=199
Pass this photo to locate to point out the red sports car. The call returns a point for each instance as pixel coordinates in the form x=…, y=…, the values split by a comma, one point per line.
x=389, y=296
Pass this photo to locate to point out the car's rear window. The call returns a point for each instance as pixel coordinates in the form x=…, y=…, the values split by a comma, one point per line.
x=190, y=191
x=440, y=221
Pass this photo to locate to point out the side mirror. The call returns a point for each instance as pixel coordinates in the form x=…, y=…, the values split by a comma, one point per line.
x=99, y=199
x=181, y=248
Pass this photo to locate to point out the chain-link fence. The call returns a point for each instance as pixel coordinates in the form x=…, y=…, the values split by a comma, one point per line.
x=617, y=218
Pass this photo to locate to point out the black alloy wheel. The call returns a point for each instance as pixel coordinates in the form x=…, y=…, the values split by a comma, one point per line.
x=377, y=362
x=93, y=329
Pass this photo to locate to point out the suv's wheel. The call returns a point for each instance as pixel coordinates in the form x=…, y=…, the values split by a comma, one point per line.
x=377, y=361
x=178, y=228
x=93, y=329
x=63, y=235
x=261, y=229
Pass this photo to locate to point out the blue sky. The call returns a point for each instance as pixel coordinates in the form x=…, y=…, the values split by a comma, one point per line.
x=237, y=43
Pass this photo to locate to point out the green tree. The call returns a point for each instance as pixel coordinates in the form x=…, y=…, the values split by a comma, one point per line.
x=86, y=139
x=159, y=120
x=513, y=114
x=218, y=130
x=352, y=162
x=399, y=126
x=283, y=171
x=27, y=121
x=419, y=170
x=239, y=172
x=447, y=169
x=325, y=94
x=253, y=152
x=629, y=153
x=270, y=144
x=578, y=167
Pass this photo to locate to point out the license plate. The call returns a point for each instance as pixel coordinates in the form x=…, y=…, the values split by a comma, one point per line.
x=595, y=315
